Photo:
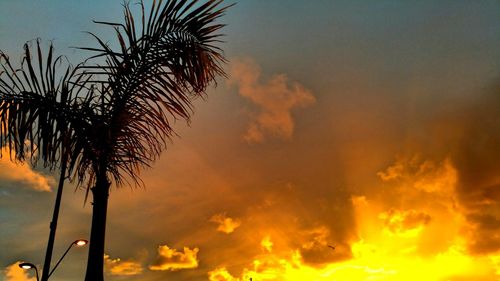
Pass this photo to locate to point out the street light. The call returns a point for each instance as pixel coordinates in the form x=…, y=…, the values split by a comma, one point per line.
x=79, y=243
x=28, y=265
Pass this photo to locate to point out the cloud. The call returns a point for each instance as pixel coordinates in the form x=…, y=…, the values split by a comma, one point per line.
x=271, y=266
x=225, y=224
x=476, y=158
x=438, y=249
x=316, y=237
x=467, y=134
x=14, y=273
x=425, y=175
x=22, y=173
x=406, y=222
x=370, y=262
x=267, y=244
x=120, y=267
x=173, y=260
x=275, y=99
x=416, y=208
x=315, y=250
x=370, y=107
x=221, y=274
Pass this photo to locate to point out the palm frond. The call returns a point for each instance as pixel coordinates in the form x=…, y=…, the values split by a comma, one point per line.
x=114, y=117
x=38, y=105
x=153, y=78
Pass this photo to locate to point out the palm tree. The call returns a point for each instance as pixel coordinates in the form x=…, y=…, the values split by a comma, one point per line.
x=120, y=117
x=37, y=105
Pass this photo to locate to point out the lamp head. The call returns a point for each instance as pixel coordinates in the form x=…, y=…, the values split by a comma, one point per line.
x=27, y=265
x=81, y=242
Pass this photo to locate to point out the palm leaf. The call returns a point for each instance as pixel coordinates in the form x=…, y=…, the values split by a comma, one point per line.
x=152, y=79
x=39, y=106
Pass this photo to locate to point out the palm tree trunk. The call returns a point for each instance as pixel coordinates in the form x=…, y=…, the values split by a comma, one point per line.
x=95, y=262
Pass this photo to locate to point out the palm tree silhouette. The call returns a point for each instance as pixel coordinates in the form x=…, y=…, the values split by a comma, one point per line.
x=39, y=110
x=107, y=120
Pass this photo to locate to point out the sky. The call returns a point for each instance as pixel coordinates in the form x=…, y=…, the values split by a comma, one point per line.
x=351, y=140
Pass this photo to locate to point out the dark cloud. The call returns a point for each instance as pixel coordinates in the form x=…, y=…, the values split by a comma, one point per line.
x=476, y=154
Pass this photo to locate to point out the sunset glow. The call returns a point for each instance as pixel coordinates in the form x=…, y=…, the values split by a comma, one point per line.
x=348, y=141
x=391, y=244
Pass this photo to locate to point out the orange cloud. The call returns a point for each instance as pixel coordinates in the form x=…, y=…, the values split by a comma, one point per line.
x=22, y=173
x=425, y=175
x=272, y=266
x=221, y=274
x=173, y=260
x=410, y=229
x=267, y=244
x=316, y=237
x=119, y=267
x=371, y=262
x=404, y=222
x=377, y=255
x=275, y=98
x=14, y=273
x=225, y=224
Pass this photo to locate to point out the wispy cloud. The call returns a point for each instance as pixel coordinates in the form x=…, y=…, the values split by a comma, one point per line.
x=23, y=173
x=225, y=224
x=120, y=267
x=173, y=260
x=274, y=98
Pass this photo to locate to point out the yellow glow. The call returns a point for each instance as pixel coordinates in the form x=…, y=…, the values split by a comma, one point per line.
x=370, y=263
x=423, y=239
x=267, y=244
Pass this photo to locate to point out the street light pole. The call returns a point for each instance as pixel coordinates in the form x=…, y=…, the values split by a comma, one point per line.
x=79, y=242
x=53, y=223
x=28, y=265
x=55, y=215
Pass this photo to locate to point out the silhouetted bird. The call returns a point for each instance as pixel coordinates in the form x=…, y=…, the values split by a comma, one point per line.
x=333, y=247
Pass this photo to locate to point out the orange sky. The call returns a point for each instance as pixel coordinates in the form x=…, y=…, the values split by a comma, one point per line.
x=370, y=127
